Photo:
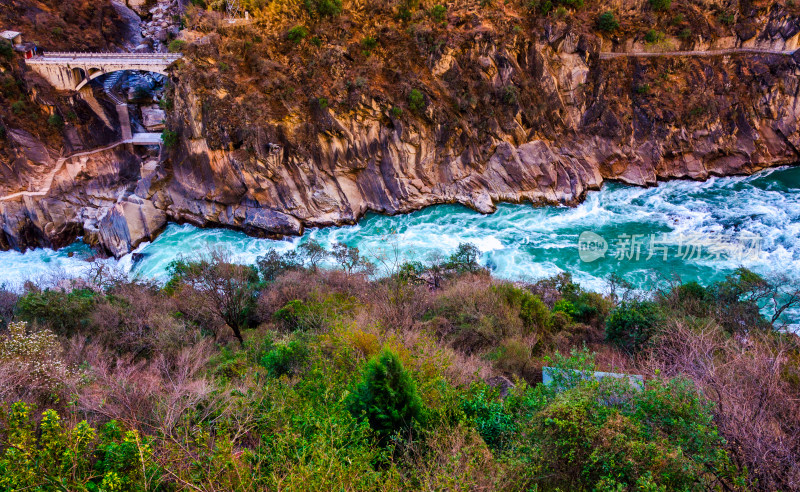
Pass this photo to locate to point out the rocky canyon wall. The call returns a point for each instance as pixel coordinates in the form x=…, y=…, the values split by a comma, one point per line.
x=534, y=114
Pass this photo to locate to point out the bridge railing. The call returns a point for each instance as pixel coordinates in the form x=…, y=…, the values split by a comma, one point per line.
x=79, y=54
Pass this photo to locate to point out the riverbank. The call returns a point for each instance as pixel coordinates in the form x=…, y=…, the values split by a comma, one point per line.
x=521, y=242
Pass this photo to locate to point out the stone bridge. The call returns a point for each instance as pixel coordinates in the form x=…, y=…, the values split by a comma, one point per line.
x=71, y=71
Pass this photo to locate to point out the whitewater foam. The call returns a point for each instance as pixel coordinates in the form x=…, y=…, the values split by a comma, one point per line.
x=517, y=241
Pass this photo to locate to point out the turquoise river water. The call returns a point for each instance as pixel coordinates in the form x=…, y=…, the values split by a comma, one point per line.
x=695, y=230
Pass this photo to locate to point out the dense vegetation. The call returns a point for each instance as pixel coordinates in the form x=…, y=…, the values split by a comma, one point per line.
x=286, y=375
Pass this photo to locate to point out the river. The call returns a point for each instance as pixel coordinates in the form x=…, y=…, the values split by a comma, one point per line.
x=694, y=230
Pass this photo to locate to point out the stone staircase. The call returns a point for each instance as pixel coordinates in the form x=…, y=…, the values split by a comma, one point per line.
x=110, y=84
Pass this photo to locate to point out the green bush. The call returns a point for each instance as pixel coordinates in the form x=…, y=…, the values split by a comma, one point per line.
x=726, y=18
x=56, y=121
x=176, y=45
x=464, y=259
x=416, y=101
x=387, y=397
x=169, y=138
x=652, y=36
x=19, y=107
x=490, y=416
x=52, y=456
x=323, y=8
x=6, y=50
x=534, y=314
x=607, y=436
x=297, y=34
x=274, y=264
x=396, y=112
x=66, y=313
x=286, y=359
x=297, y=315
x=544, y=7
x=633, y=325
x=369, y=43
x=660, y=5
x=607, y=22
x=438, y=13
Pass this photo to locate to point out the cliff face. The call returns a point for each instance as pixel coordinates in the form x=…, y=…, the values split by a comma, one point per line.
x=274, y=136
x=534, y=116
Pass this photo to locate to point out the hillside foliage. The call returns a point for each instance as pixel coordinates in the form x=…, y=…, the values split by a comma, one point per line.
x=291, y=375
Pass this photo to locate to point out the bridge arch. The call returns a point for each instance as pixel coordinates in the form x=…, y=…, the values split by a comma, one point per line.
x=72, y=71
x=96, y=72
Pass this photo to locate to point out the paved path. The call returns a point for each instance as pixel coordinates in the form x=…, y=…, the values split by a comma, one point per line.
x=725, y=51
x=60, y=163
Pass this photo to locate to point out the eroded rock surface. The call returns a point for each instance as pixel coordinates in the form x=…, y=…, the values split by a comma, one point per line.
x=536, y=117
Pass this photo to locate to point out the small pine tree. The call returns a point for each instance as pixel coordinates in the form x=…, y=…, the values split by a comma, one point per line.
x=387, y=396
x=607, y=22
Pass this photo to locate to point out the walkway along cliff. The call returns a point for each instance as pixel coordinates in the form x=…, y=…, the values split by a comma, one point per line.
x=272, y=135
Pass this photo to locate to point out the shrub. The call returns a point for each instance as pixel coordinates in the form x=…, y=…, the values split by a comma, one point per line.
x=605, y=436
x=6, y=50
x=542, y=7
x=490, y=416
x=76, y=458
x=607, y=22
x=633, y=325
x=176, y=46
x=396, y=112
x=464, y=259
x=65, y=312
x=8, y=302
x=416, y=101
x=438, y=13
x=274, y=264
x=19, y=107
x=643, y=89
x=726, y=18
x=323, y=8
x=510, y=95
x=297, y=34
x=660, y=5
x=313, y=315
x=32, y=363
x=534, y=314
x=652, y=36
x=387, y=397
x=169, y=138
x=286, y=359
x=56, y=121
x=685, y=34
x=369, y=43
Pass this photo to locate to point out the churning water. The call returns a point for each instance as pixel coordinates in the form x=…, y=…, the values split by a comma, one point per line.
x=710, y=227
